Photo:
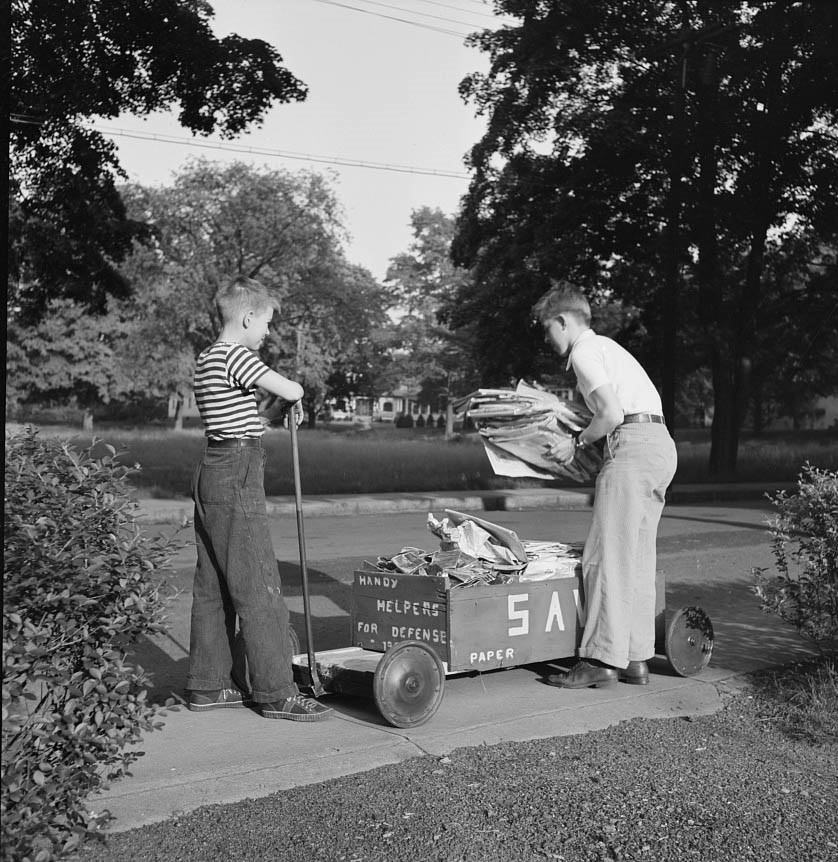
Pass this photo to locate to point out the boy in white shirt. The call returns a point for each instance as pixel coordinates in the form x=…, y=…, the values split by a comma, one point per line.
x=619, y=559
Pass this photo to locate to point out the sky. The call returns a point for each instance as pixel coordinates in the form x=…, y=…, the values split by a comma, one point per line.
x=381, y=91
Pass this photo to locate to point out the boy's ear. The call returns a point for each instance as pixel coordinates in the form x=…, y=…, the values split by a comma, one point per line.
x=247, y=318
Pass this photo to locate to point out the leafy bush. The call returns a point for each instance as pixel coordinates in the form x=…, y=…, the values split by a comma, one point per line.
x=420, y=421
x=404, y=420
x=77, y=592
x=805, y=592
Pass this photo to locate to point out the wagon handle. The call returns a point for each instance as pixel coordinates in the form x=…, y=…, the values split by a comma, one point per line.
x=316, y=687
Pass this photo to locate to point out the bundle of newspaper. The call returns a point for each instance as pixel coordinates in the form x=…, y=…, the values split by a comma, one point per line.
x=529, y=432
x=548, y=560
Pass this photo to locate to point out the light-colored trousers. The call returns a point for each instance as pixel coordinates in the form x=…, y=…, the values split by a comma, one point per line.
x=619, y=559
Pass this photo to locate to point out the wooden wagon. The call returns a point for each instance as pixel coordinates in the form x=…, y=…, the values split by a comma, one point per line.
x=410, y=632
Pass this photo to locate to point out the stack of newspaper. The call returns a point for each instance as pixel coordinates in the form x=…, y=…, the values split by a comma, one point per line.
x=475, y=552
x=530, y=433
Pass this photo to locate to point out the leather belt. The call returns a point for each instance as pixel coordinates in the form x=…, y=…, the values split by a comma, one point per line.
x=234, y=442
x=643, y=417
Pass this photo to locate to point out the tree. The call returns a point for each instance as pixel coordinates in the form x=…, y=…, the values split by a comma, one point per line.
x=651, y=152
x=87, y=59
x=68, y=356
x=216, y=223
x=425, y=283
x=797, y=358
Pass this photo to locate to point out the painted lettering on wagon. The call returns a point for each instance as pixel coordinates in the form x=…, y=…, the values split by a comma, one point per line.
x=519, y=615
x=414, y=633
x=377, y=581
x=402, y=606
x=499, y=654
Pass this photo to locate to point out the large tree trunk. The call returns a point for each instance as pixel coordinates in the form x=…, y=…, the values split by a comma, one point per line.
x=724, y=433
x=87, y=419
x=713, y=310
x=674, y=242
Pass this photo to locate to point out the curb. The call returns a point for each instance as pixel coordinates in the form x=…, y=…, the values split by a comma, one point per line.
x=515, y=500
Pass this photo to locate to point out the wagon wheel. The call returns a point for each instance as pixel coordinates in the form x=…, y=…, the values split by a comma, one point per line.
x=408, y=684
x=689, y=641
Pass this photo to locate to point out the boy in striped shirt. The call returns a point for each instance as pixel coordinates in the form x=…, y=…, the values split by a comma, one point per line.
x=236, y=574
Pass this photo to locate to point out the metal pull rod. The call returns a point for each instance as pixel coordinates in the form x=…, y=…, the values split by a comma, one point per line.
x=316, y=686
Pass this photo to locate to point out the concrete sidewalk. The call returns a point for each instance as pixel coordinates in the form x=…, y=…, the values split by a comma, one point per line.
x=153, y=511
x=229, y=755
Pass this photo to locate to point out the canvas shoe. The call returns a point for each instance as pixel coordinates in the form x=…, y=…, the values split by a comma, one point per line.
x=296, y=708
x=224, y=698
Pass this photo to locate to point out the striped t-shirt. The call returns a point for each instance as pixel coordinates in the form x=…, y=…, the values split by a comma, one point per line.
x=224, y=383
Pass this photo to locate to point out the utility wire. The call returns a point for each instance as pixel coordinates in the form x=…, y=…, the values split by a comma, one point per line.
x=460, y=9
x=281, y=154
x=417, y=12
x=446, y=32
x=28, y=119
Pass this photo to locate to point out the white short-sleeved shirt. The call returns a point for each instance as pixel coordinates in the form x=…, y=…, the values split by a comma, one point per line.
x=597, y=359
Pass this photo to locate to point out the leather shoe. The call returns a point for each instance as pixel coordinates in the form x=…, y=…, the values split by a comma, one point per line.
x=637, y=673
x=584, y=675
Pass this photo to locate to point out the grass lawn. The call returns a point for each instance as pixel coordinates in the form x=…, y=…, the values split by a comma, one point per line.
x=340, y=459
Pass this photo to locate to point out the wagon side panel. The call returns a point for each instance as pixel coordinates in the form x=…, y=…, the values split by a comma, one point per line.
x=504, y=626
x=389, y=608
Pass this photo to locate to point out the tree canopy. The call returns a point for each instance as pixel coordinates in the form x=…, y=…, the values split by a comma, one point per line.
x=658, y=153
x=425, y=284
x=218, y=222
x=81, y=60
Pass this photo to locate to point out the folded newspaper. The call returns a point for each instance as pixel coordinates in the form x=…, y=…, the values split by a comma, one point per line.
x=475, y=552
x=528, y=432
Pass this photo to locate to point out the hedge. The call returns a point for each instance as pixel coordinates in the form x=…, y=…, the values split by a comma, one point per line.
x=81, y=583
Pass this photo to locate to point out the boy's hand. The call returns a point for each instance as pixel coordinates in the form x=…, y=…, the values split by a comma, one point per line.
x=294, y=409
x=562, y=450
x=274, y=410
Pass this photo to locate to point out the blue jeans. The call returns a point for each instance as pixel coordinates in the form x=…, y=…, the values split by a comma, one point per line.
x=619, y=559
x=237, y=576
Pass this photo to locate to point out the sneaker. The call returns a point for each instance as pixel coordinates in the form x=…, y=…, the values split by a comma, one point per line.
x=224, y=698
x=297, y=708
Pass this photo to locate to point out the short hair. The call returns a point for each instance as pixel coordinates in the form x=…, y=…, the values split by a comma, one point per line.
x=562, y=298
x=242, y=295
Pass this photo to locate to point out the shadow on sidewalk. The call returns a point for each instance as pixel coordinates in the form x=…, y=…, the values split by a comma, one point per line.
x=165, y=657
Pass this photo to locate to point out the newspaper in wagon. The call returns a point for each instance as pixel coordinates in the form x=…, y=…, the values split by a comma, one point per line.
x=528, y=432
x=476, y=552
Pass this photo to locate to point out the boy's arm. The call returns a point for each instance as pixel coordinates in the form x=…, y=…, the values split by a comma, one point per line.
x=607, y=414
x=276, y=384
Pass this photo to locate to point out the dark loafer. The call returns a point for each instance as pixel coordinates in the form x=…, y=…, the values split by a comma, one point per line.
x=637, y=673
x=584, y=675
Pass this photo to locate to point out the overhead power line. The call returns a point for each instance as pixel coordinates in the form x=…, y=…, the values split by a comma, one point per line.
x=444, y=31
x=280, y=154
x=422, y=14
x=460, y=9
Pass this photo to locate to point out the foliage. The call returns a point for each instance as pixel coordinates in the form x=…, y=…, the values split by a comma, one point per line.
x=425, y=284
x=67, y=354
x=79, y=586
x=404, y=420
x=805, y=592
x=801, y=698
x=219, y=222
x=660, y=153
x=99, y=59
